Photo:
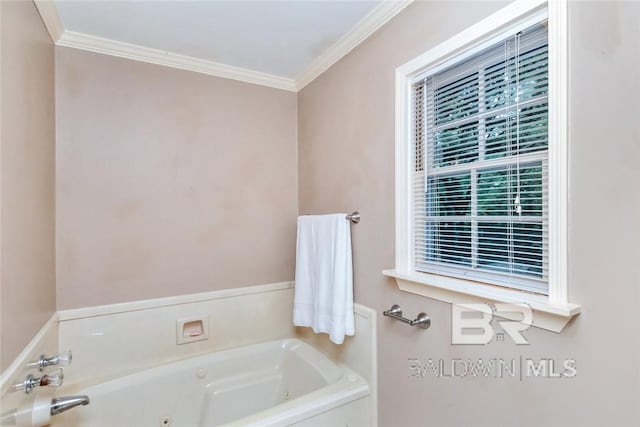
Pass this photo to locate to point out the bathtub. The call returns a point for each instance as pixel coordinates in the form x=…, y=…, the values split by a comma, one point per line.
x=277, y=383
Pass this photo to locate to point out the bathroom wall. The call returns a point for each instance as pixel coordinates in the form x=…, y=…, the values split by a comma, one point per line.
x=27, y=278
x=346, y=161
x=169, y=182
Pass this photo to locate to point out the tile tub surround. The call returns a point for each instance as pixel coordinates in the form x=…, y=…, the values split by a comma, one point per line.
x=45, y=342
x=119, y=339
x=124, y=338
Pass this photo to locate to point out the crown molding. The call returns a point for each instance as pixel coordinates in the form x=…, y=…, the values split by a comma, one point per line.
x=379, y=16
x=375, y=19
x=173, y=60
x=49, y=14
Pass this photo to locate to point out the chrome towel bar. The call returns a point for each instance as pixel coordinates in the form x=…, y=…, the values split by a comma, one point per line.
x=422, y=320
x=354, y=217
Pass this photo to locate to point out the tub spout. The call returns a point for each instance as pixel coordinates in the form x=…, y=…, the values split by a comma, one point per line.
x=63, y=404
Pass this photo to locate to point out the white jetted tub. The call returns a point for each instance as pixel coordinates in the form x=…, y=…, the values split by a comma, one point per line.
x=278, y=383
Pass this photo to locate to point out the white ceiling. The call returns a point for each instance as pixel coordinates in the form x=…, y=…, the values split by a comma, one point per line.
x=281, y=38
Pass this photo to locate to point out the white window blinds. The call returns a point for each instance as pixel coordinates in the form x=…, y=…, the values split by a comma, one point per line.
x=480, y=165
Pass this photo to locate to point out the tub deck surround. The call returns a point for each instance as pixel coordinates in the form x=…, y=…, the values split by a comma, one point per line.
x=359, y=352
x=237, y=317
x=147, y=329
x=118, y=341
x=44, y=342
x=275, y=383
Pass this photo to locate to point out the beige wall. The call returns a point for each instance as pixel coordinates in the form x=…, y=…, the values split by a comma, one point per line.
x=346, y=162
x=27, y=282
x=169, y=182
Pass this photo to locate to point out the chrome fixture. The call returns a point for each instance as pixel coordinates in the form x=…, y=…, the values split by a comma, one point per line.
x=41, y=408
x=422, y=320
x=53, y=379
x=63, y=404
x=63, y=359
x=354, y=217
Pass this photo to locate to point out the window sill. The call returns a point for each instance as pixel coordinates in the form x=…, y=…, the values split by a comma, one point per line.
x=551, y=317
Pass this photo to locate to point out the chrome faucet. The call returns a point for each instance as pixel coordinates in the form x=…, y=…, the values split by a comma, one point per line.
x=63, y=404
x=53, y=379
x=62, y=359
x=54, y=407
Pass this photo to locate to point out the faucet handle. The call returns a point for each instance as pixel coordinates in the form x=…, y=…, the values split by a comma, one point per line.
x=62, y=359
x=53, y=379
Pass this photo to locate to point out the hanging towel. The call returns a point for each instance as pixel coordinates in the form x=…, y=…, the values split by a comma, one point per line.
x=324, y=276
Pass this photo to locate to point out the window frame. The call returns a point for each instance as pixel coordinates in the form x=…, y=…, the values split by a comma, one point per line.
x=551, y=312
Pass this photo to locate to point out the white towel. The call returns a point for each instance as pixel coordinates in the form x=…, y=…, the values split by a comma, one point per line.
x=324, y=276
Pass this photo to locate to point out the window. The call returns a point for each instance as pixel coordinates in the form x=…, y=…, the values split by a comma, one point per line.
x=481, y=168
x=480, y=177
